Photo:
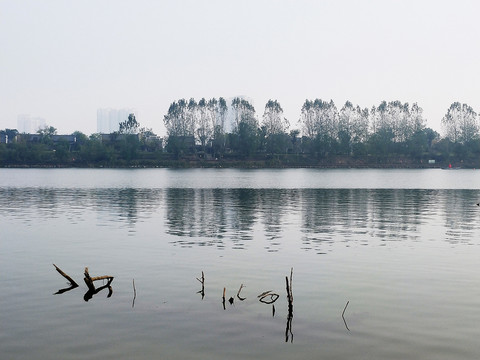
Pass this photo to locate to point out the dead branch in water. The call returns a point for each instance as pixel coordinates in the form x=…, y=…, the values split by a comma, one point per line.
x=291, y=284
x=264, y=293
x=223, y=299
x=289, y=293
x=202, y=281
x=91, y=287
x=88, y=280
x=134, y=293
x=238, y=293
x=343, y=313
x=70, y=280
x=288, y=329
x=273, y=298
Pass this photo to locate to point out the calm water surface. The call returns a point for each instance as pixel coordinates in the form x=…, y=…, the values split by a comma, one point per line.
x=400, y=246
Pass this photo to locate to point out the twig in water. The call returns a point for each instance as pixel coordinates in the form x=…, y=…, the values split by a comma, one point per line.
x=343, y=313
x=273, y=298
x=202, y=281
x=134, y=293
x=264, y=293
x=291, y=285
x=91, y=287
x=72, y=282
x=289, y=293
x=223, y=299
x=238, y=293
x=288, y=329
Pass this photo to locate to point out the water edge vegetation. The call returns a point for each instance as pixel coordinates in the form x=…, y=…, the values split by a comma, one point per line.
x=212, y=134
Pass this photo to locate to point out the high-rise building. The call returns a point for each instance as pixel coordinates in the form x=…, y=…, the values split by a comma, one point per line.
x=108, y=120
x=27, y=124
x=230, y=123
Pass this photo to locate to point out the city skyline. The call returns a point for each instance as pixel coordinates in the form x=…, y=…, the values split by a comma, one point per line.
x=30, y=124
x=108, y=119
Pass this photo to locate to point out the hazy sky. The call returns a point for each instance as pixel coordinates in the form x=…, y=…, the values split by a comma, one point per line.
x=61, y=60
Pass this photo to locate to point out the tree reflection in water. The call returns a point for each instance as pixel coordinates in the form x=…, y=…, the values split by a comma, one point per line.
x=230, y=217
x=217, y=217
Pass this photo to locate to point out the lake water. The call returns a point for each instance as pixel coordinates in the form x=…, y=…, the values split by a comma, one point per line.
x=400, y=247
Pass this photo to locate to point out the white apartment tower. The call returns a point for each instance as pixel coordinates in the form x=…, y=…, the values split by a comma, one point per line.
x=108, y=119
x=27, y=124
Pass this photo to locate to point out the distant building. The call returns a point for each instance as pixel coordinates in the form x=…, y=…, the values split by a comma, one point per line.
x=3, y=139
x=27, y=124
x=71, y=139
x=107, y=138
x=230, y=121
x=108, y=120
x=35, y=138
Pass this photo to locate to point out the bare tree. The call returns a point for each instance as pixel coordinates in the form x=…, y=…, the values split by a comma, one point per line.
x=244, y=112
x=176, y=120
x=273, y=119
x=204, y=123
x=460, y=123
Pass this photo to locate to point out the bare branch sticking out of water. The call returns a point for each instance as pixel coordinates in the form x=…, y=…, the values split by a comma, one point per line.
x=238, y=293
x=134, y=293
x=264, y=293
x=202, y=281
x=71, y=281
x=288, y=329
x=223, y=299
x=291, y=284
x=273, y=298
x=289, y=293
x=91, y=287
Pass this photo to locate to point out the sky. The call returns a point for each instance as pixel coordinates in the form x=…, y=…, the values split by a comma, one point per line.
x=62, y=60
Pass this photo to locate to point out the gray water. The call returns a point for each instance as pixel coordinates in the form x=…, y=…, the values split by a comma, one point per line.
x=400, y=246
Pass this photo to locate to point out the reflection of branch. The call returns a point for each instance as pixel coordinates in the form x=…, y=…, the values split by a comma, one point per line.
x=288, y=330
x=343, y=313
x=272, y=298
x=72, y=282
x=89, y=294
x=61, y=291
x=202, y=281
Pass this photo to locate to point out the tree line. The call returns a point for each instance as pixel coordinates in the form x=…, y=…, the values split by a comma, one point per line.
x=323, y=130
x=216, y=130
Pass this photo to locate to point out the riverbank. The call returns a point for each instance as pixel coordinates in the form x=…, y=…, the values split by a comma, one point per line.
x=334, y=162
